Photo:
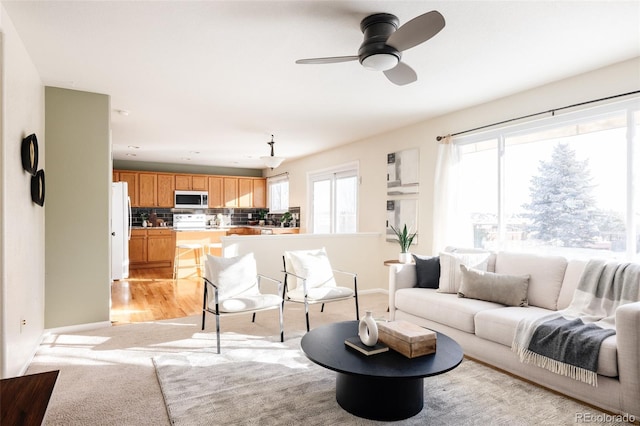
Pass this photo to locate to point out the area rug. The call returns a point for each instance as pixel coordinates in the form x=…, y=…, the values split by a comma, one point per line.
x=258, y=382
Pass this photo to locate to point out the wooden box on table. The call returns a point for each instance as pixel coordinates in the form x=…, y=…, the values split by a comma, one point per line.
x=409, y=339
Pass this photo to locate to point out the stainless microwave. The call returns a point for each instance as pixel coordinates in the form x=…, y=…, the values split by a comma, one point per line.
x=191, y=200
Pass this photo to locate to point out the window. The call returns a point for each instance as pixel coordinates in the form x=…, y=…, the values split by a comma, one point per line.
x=560, y=185
x=278, y=190
x=333, y=196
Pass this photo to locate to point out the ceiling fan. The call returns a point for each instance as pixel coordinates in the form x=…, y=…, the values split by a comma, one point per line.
x=384, y=43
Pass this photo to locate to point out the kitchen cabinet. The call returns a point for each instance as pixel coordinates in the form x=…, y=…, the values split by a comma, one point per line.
x=138, y=248
x=151, y=248
x=199, y=183
x=132, y=184
x=259, y=187
x=148, y=189
x=115, y=176
x=156, y=189
x=160, y=246
x=230, y=188
x=183, y=182
x=165, y=190
x=216, y=198
x=191, y=183
x=245, y=192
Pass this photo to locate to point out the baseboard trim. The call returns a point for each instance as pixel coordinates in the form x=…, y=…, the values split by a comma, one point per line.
x=78, y=327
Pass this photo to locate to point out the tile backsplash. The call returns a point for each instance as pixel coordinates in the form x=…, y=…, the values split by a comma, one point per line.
x=238, y=217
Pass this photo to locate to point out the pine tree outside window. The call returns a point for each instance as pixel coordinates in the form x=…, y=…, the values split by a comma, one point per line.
x=562, y=185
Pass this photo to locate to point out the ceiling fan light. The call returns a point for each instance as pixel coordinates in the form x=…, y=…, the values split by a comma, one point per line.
x=380, y=62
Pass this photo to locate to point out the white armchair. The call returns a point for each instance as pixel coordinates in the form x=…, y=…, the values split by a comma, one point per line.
x=233, y=286
x=309, y=279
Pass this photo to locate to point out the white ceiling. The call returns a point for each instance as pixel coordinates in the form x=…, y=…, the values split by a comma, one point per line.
x=212, y=80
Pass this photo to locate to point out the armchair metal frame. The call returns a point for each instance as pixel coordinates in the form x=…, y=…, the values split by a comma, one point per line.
x=308, y=302
x=206, y=308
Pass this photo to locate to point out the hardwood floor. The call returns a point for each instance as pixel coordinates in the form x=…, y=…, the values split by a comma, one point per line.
x=151, y=294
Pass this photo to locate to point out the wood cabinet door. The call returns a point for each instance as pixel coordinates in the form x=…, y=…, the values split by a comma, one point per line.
x=183, y=182
x=199, y=183
x=148, y=190
x=138, y=246
x=215, y=192
x=259, y=193
x=230, y=192
x=245, y=192
x=115, y=176
x=166, y=188
x=132, y=182
x=160, y=245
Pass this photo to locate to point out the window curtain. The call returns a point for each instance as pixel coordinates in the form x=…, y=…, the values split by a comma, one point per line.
x=445, y=192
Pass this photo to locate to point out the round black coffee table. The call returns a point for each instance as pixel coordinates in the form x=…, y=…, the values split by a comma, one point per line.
x=385, y=386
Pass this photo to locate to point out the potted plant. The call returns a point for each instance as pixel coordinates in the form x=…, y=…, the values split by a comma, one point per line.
x=405, y=238
x=286, y=218
x=144, y=216
x=262, y=215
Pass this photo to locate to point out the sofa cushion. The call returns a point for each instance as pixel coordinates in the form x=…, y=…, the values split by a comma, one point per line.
x=427, y=271
x=547, y=273
x=450, y=275
x=232, y=275
x=570, y=282
x=510, y=290
x=313, y=265
x=499, y=325
x=445, y=308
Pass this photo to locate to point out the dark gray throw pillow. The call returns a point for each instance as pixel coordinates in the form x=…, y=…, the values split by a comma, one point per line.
x=427, y=271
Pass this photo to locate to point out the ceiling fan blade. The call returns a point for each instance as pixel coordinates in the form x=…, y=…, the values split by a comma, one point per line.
x=416, y=31
x=330, y=60
x=401, y=74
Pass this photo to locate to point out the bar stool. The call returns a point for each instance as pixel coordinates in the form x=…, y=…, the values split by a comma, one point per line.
x=182, y=249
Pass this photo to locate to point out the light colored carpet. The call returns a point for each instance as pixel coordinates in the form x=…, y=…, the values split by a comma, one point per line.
x=107, y=376
x=256, y=382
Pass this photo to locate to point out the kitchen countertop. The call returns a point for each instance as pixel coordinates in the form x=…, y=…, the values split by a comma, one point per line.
x=214, y=228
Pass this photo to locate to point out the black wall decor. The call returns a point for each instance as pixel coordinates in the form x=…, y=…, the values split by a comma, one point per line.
x=37, y=187
x=29, y=154
x=29, y=151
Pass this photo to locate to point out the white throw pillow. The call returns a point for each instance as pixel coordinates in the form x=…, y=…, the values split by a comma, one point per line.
x=313, y=265
x=232, y=275
x=450, y=274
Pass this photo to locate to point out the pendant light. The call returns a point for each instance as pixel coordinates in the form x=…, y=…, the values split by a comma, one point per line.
x=272, y=161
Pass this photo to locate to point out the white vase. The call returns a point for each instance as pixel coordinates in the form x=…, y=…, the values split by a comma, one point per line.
x=404, y=257
x=368, y=330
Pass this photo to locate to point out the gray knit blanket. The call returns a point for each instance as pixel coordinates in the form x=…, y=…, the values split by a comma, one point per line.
x=568, y=341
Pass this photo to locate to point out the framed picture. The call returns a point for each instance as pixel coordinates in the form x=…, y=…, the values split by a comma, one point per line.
x=400, y=213
x=402, y=172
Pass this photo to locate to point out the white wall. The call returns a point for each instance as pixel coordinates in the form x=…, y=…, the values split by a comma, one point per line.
x=347, y=252
x=21, y=221
x=371, y=152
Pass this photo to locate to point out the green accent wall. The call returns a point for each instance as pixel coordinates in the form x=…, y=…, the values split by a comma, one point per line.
x=77, y=208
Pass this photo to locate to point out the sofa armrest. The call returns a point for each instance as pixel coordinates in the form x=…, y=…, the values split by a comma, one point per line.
x=628, y=340
x=400, y=276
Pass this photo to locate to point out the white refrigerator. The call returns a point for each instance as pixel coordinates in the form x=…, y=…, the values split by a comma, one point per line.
x=120, y=230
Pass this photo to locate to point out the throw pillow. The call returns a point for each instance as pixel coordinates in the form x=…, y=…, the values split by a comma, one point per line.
x=313, y=265
x=232, y=275
x=510, y=290
x=450, y=274
x=427, y=271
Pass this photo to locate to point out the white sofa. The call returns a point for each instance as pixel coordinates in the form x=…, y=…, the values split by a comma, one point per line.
x=485, y=330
